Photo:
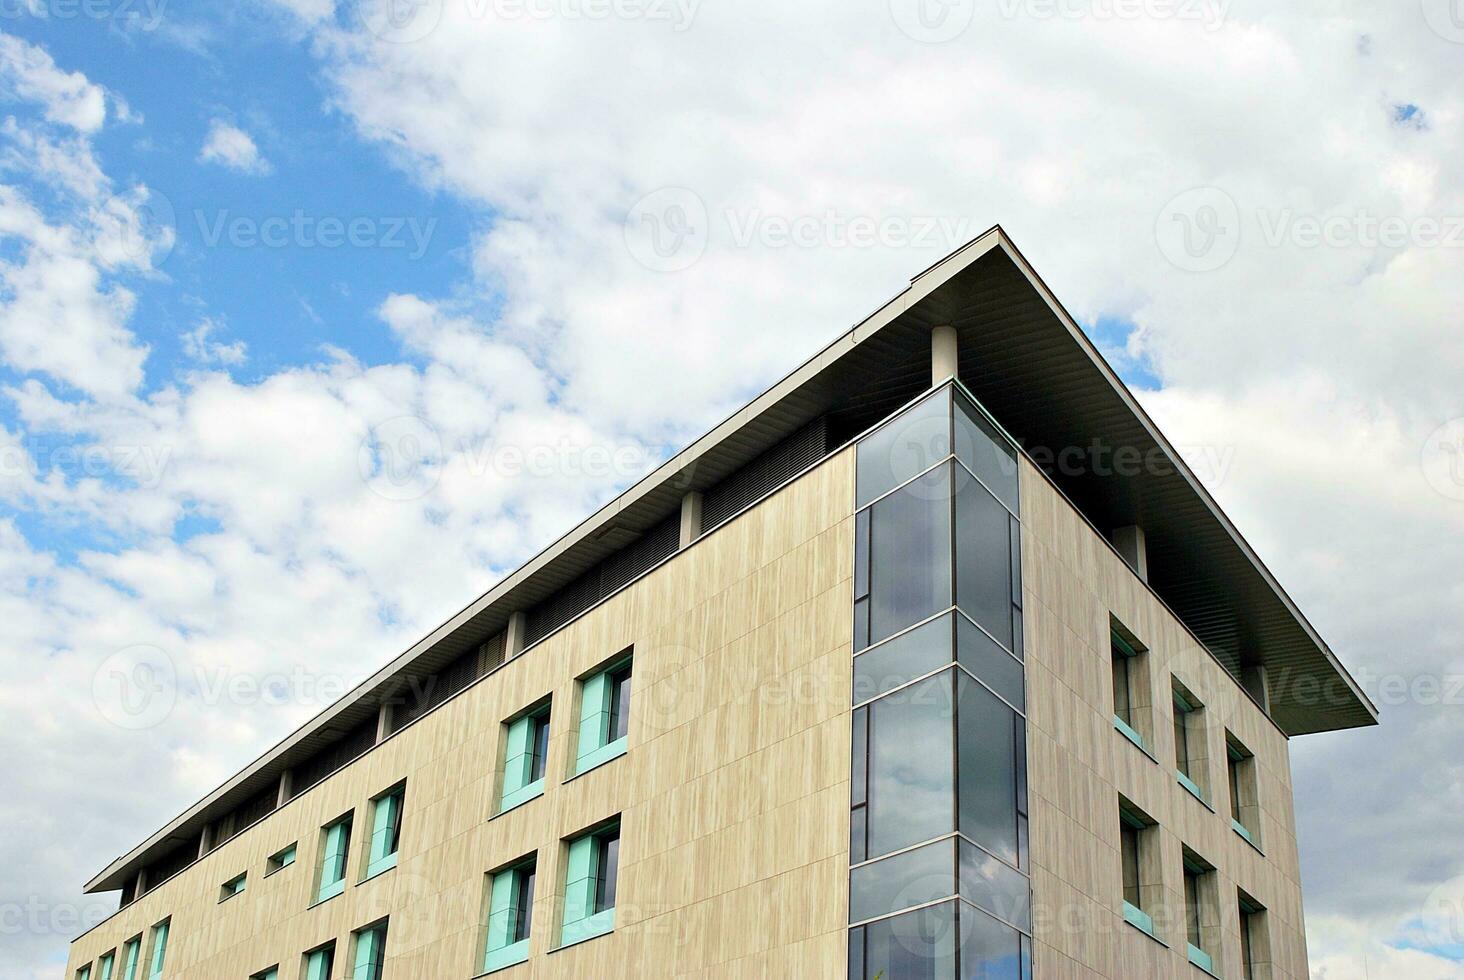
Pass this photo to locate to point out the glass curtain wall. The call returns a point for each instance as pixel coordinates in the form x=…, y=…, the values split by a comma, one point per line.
x=939, y=882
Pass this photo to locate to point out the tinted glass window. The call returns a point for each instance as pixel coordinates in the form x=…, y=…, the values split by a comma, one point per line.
x=910, y=555
x=619, y=703
x=988, y=778
x=526, y=881
x=991, y=885
x=903, y=447
x=990, y=950
x=906, y=657
x=985, y=658
x=910, y=766
x=608, y=873
x=541, y=747
x=919, y=945
x=980, y=447
x=904, y=880
x=983, y=558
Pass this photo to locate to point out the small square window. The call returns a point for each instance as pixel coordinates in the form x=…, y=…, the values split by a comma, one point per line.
x=234, y=886
x=280, y=860
x=526, y=743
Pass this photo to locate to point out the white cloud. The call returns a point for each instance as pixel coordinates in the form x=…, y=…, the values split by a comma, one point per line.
x=28, y=72
x=231, y=147
x=199, y=345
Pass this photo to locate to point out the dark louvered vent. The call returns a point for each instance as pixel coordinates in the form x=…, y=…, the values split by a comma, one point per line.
x=247, y=813
x=171, y=863
x=761, y=476
x=333, y=756
x=646, y=551
x=492, y=654
x=421, y=694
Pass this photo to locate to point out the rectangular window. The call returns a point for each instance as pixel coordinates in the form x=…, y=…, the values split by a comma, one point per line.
x=273, y=973
x=320, y=963
x=105, y=965
x=370, y=952
x=1126, y=663
x=131, y=953
x=84, y=973
x=1136, y=832
x=1254, y=946
x=1198, y=918
x=1189, y=741
x=159, y=946
x=335, y=844
x=604, y=716
x=527, y=746
x=280, y=860
x=1245, y=808
x=386, y=831
x=510, y=914
x=234, y=886
x=590, y=880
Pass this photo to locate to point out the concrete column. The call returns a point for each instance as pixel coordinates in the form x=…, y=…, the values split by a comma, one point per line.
x=1131, y=543
x=943, y=355
x=383, y=721
x=287, y=783
x=691, y=518
x=205, y=840
x=141, y=887
x=513, y=635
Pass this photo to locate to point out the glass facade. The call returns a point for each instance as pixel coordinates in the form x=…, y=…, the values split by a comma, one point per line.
x=939, y=885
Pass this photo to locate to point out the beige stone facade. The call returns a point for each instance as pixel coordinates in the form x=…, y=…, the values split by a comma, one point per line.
x=734, y=792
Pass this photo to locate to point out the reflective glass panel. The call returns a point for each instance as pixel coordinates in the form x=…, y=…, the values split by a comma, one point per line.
x=910, y=555
x=985, y=658
x=990, y=457
x=911, y=791
x=906, y=657
x=990, y=950
x=988, y=778
x=983, y=558
x=919, y=945
x=991, y=885
x=906, y=445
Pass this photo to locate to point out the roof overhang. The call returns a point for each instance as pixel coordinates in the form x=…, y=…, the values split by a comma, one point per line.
x=1034, y=369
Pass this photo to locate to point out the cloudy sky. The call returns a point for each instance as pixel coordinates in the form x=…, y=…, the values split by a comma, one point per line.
x=317, y=318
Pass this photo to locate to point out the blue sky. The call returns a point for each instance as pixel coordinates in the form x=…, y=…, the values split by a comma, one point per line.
x=1163, y=173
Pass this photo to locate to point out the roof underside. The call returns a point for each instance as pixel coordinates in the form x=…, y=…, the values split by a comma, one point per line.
x=1034, y=370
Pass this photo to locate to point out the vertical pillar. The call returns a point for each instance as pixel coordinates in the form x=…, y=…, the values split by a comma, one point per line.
x=383, y=721
x=1131, y=543
x=141, y=887
x=513, y=635
x=943, y=355
x=287, y=783
x=205, y=840
x=691, y=518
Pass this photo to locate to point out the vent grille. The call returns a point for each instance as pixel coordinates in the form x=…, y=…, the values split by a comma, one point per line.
x=425, y=693
x=614, y=571
x=763, y=475
x=332, y=757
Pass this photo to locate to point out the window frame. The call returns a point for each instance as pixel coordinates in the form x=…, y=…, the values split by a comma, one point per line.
x=585, y=914
x=233, y=887
x=597, y=742
x=525, y=761
x=386, y=831
x=276, y=862
x=329, y=840
x=508, y=928
x=369, y=941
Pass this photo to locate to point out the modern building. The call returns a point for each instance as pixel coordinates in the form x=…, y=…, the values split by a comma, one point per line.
x=933, y=661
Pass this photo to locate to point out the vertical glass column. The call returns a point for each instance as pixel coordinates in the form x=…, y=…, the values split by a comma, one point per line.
x=939, y=883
